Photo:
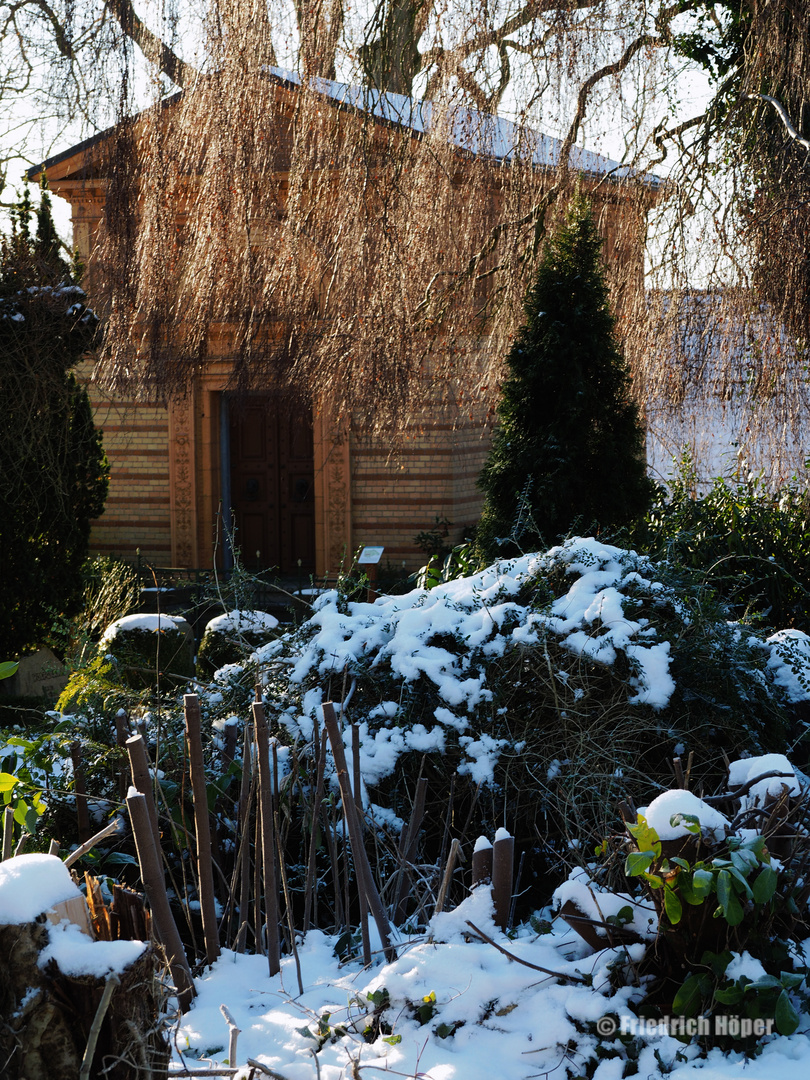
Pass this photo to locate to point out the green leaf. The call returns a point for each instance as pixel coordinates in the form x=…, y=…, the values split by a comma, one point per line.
x=672, y=905
x=702, y=883
x=645, y=837
x=8, y=668
x=638, y=862
x=765, y=885
x=688, y=821
x=787, y=1019
x=689, y=998
x=791, y=979
x=725, y=892
x=392, y=1040
x=766, y=982
x=731, y=996
x=120, y=858
x=718, y=962
x=739, y=883
x=7, y=781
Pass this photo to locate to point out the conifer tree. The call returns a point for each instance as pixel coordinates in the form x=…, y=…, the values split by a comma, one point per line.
x=569, y=446
x=53, y=470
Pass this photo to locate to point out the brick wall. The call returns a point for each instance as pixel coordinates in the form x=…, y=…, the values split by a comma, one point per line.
x=136, y=514
x=430, y=473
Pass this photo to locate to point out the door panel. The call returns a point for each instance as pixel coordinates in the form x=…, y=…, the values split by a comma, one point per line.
x=272, y=484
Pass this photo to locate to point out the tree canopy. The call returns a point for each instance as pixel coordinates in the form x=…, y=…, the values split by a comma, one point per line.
x=53, y=471
x=730, y=223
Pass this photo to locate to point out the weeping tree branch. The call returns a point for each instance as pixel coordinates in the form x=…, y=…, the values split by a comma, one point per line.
x=782, y=113
x=496, y=35
x=616, y=68
x=151, y=45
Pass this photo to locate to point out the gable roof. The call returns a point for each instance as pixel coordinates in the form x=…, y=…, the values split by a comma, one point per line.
x=477, y=133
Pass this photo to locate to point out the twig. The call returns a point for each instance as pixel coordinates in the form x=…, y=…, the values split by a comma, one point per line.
x=783, y=116
x=288, y=905
x=234, y=1032
x=109, y=830
x=525, y=963
x=95, y=1028
x=264, y=1070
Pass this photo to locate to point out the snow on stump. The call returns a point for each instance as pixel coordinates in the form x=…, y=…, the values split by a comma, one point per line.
x=232, y=637
x=147, y=644
x=72, y=1006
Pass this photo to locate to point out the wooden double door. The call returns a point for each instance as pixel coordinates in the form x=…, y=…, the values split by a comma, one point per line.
x=272, y=473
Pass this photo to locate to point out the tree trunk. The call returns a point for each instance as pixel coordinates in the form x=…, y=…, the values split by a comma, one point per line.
x=47, y=1015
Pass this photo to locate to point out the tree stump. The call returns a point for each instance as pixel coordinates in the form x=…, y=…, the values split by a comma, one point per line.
x=46, y=1015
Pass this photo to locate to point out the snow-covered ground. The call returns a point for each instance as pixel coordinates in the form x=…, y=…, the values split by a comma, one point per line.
x=451, y=1007
x=455, y=1006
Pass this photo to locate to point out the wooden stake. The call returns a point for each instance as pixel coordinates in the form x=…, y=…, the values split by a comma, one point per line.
x=268, y=841
x=80, y=792
x=142, y=780
x=448, y=874
x=310, y=889
x=245, y=799
x=482, y=862
x=408, y=841
x=361, y=863
x=8, y=832
x=202, y=825
x=503, y=854
x=155, y=889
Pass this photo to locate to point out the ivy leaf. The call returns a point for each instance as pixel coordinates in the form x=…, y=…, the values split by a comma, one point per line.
x=638, y=862
x=765, y=885
x=672, y=905
x=702, y=883
x=690, y=996
x=787, y=1019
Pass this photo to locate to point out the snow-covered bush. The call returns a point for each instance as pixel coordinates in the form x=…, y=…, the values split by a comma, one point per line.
x=148, y=646
x=232, y=637
x=543, y=688
x=716, y=888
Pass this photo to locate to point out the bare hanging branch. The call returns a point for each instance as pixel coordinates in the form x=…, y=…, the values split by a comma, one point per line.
x=782, y=113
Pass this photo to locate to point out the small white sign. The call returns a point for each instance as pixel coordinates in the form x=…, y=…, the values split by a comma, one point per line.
x=369, y=556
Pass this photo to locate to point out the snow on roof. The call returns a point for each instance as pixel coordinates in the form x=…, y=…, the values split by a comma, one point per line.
x=476, y=132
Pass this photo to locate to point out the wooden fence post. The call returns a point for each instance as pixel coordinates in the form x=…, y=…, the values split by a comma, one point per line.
x=155, y=889
x=202, y=824
x=268, y=840
x=503, y=853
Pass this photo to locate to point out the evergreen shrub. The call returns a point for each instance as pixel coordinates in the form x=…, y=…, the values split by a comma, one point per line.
x=53, y=470
x=569, y=447
x=749, y=543
x=232, y=637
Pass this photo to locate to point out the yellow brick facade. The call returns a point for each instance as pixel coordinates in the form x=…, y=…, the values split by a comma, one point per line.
x=136, y=516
